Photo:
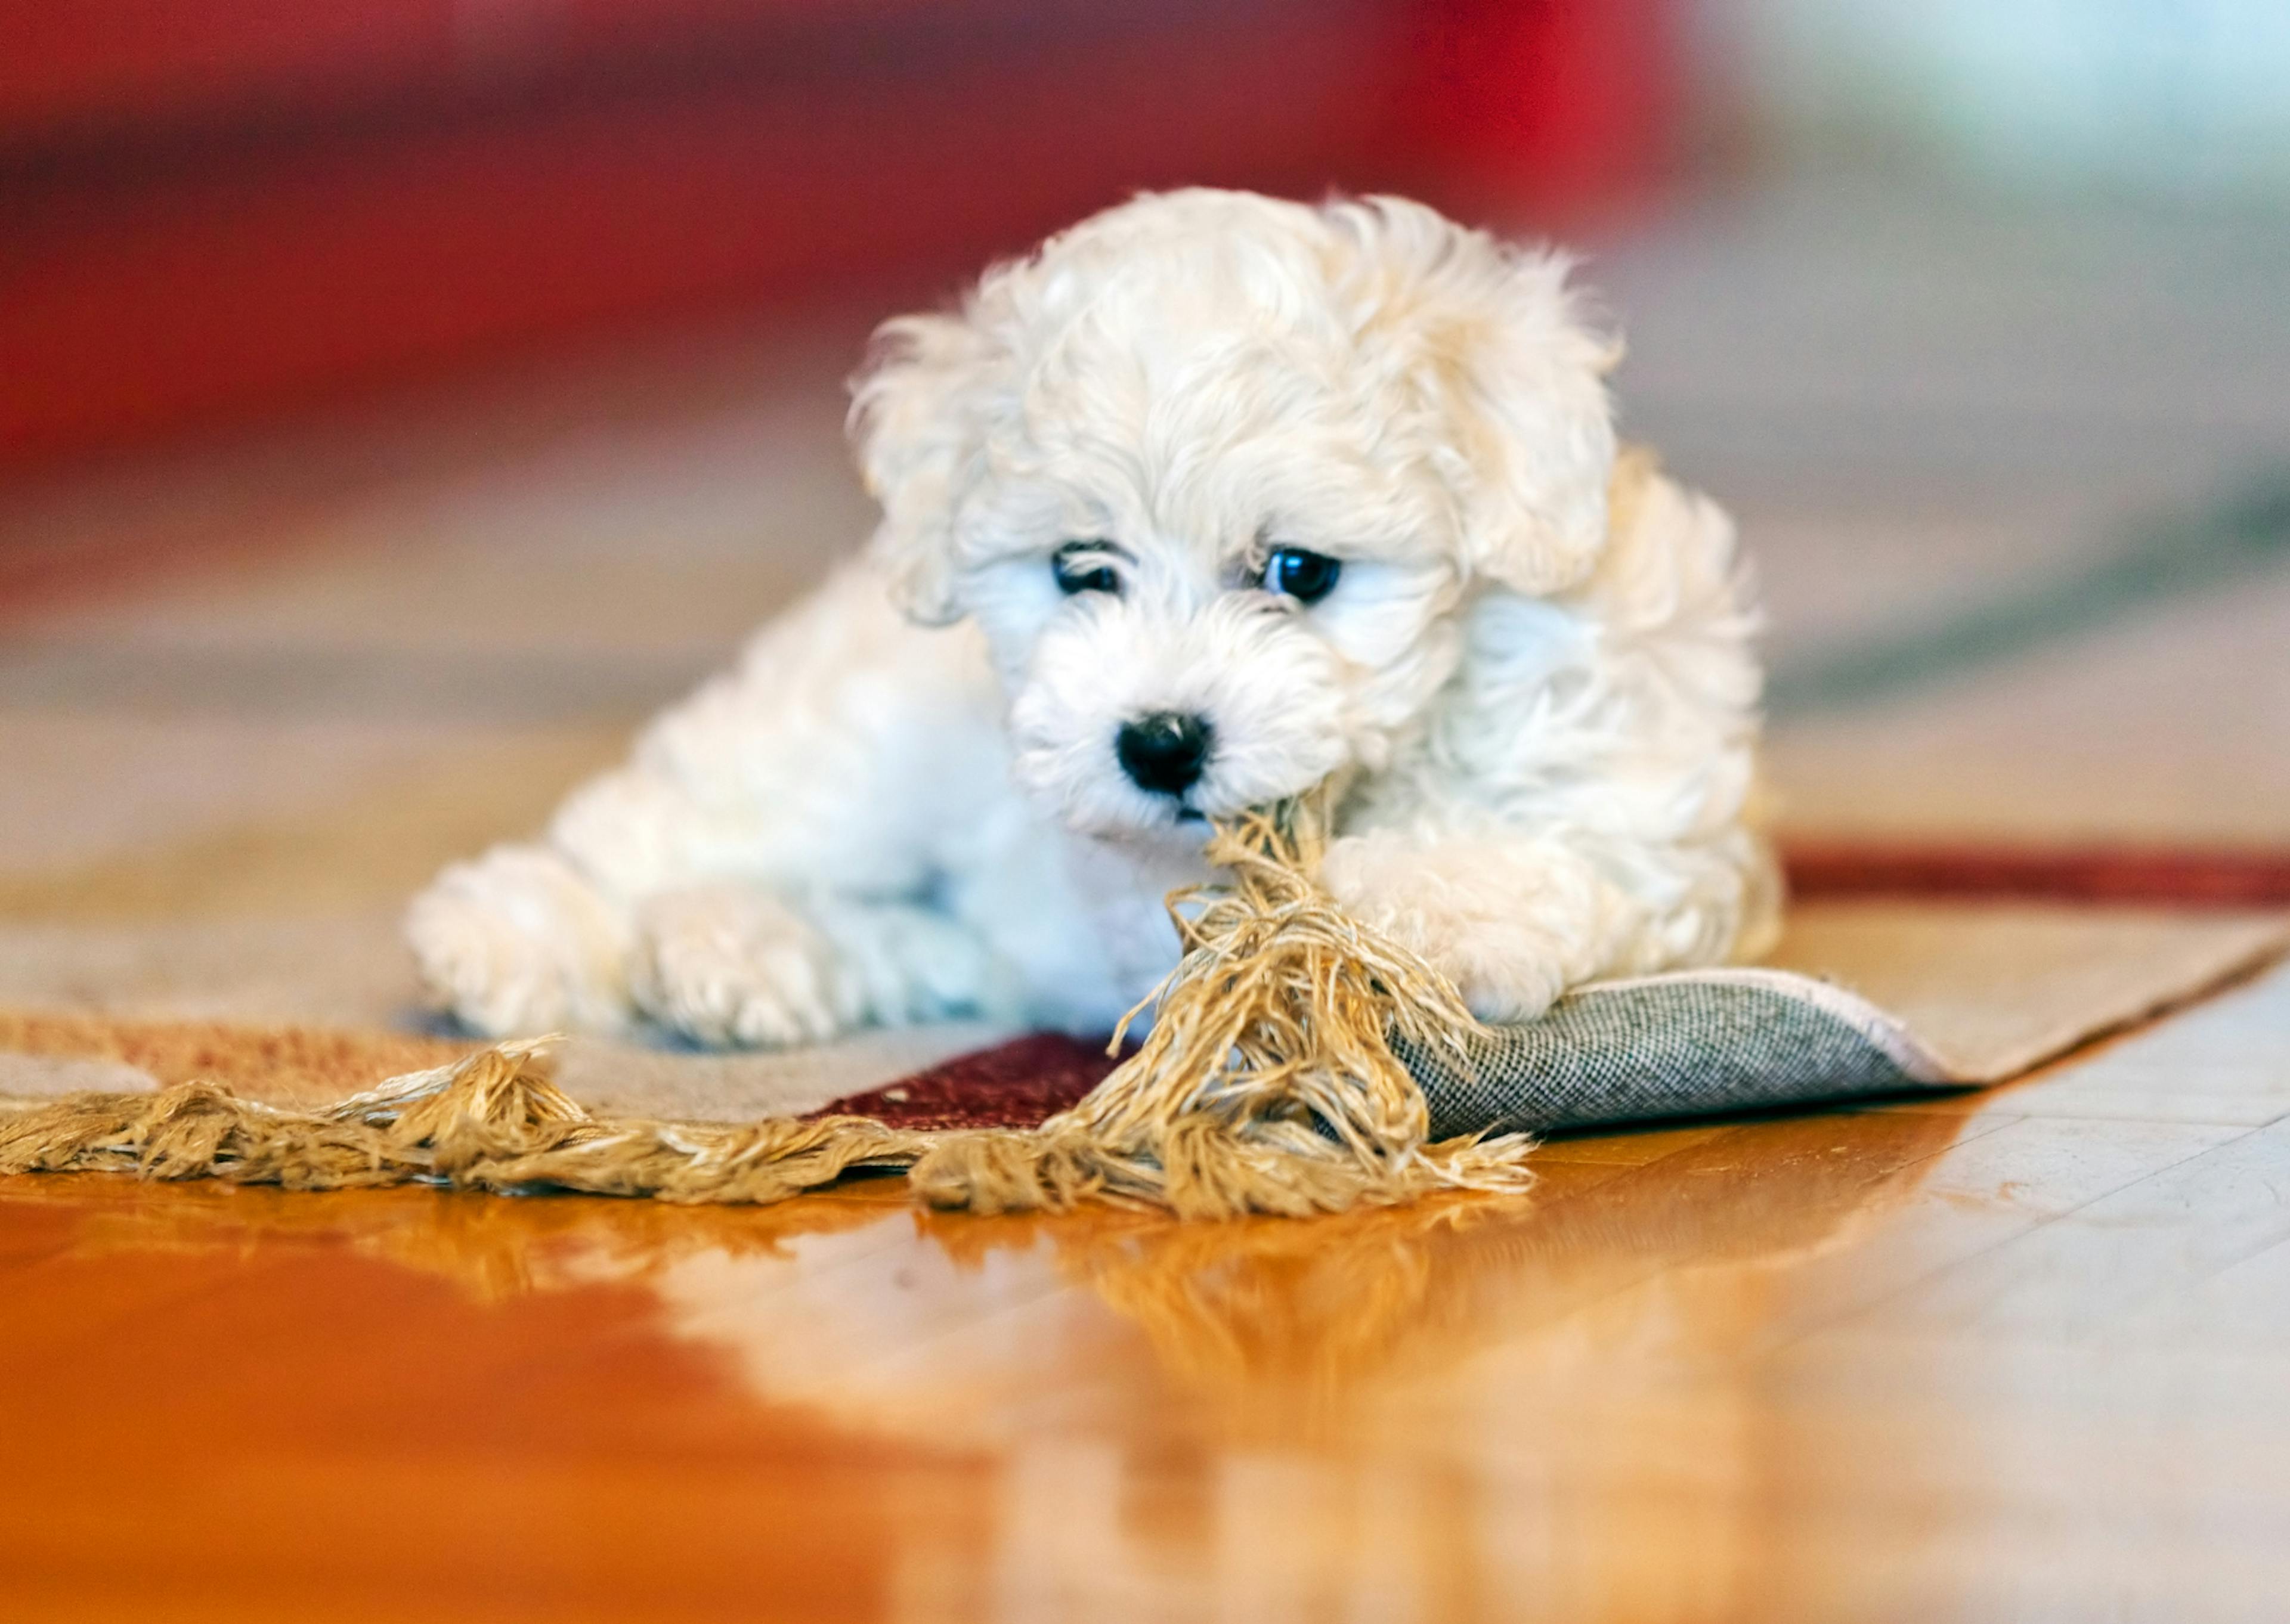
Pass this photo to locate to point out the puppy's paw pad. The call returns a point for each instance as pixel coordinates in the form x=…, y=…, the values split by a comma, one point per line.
x=735, y=969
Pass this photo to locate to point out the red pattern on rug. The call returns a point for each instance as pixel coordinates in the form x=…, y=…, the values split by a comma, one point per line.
x=2123, y=875
x=1017, y=1085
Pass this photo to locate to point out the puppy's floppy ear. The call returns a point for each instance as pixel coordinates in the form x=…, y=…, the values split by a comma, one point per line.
x=914, y=423
x=1513, y=370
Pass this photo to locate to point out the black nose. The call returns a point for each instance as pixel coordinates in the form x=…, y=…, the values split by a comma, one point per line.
x=1163, y=752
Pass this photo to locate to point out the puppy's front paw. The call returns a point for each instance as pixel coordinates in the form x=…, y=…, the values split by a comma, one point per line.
x=736, y=967
x=517, y=942
x=1509, y=932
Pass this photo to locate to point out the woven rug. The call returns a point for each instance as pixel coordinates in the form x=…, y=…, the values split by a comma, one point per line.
x=1863, y=1000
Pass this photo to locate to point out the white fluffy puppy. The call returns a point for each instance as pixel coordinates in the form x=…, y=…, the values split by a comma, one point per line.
x=1210, y=499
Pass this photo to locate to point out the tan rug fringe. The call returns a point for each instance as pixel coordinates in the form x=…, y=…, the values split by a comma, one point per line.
x=1267, y=1084
x=493, y=1121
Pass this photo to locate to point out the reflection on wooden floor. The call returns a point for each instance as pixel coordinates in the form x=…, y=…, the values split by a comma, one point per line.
x=2021, y=1354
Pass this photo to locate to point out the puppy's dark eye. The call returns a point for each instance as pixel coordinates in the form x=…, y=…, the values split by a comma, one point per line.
x=1307, y=577
x=1084, y=566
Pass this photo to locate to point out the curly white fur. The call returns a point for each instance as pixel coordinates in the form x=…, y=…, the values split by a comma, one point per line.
x=1546, y=731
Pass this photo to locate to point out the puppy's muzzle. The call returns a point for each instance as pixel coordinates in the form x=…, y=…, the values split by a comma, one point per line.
x=1164, y=752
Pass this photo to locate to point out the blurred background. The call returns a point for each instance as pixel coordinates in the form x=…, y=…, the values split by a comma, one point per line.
x=399, y=398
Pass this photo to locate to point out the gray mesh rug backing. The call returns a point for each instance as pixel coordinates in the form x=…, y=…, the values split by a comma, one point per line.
x=1675, y=1045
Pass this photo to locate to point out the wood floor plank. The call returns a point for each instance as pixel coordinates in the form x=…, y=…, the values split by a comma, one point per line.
x=1725, y=1372
x=2244, y=1308
x=2082, y=1272
x=1982, y=1193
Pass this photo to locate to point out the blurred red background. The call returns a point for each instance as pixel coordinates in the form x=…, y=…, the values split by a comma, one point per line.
x=218, y=208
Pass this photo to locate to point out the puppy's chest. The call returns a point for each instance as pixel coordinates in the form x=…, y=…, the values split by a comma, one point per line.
x=1085, y=926
x=1139, y=943
x=1119, y=898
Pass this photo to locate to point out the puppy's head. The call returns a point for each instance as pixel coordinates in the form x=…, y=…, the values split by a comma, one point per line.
x=1213, y=473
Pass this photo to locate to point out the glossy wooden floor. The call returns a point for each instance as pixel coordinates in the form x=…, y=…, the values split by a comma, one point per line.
x=2019, y=1356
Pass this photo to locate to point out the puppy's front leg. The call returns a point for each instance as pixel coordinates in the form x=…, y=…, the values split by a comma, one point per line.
x=1514, y=924
x=519, y=940
x=740, y=878
x=731, y=964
